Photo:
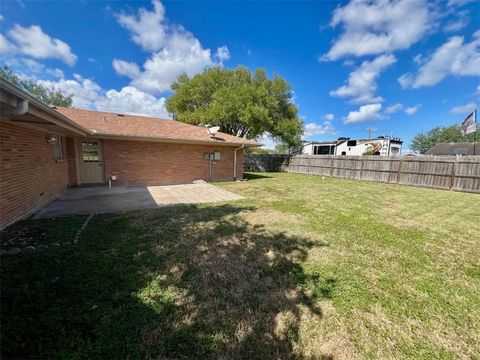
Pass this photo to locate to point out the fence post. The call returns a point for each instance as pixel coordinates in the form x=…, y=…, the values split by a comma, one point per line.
x=308, y=168
x=331, y=167
x=400, y=169
x=454, y=169
x=361, y=168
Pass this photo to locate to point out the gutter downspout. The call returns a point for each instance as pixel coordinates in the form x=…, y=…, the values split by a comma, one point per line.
x=20, y=109
x=235, y=161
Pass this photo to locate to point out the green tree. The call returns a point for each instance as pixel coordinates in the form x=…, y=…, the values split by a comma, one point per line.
x=368, y=152
x=49, y=97
x=425, y=140
x=241, y=103
x=258, y=150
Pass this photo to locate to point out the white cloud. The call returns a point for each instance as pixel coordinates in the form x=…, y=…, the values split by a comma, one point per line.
x=312, y=129
x=463, y=109
x=459, y=23
x=6, y=47
x=364, y=113
x=361, y=84
x=458, y=2
x=412, y=109
x=32, y=41
x=147, y=28
x=406, y=80
x=268, y=141
x=125, y=68
x=85, y=91
x=174, y=50
x=184, y=54
x=375, y=27
x=329, y=117
x=454, y=57
x=222, y=54
x=56, y=73
x=419, y=59
x=89, y=95
x=393, y=108
x=130, y=100
x=32, y=65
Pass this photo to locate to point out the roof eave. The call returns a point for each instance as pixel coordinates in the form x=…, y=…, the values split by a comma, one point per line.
x=58, y=117
x=170, y=140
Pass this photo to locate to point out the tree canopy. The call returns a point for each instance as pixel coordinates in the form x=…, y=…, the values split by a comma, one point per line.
x=241, y=103
x=49, y=97
x=425, y=140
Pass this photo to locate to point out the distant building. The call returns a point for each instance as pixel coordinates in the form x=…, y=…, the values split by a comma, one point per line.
x=462, y=148
x=382, y=146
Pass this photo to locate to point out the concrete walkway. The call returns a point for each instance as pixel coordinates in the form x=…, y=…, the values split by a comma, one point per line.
x=88, y=200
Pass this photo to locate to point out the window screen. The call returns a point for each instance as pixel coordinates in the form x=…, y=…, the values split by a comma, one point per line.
x=57, y=147
x=90, y=151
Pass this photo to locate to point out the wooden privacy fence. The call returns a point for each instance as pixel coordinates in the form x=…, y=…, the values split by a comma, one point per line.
x=265, y=162
x=458, y=173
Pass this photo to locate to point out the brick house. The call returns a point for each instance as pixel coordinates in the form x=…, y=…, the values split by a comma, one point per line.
x=44, y=150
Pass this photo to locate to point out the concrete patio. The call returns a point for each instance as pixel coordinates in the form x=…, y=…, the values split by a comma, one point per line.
x=88, y=200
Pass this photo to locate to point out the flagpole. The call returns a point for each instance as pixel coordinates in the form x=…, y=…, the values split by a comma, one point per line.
x=475, y=137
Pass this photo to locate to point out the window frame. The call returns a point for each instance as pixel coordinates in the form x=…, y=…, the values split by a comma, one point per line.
x=58, y=148
x=327, y=150
x=93, y=156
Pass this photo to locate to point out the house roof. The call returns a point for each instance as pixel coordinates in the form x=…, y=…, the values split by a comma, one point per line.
x=461, y=148
x=107, y=124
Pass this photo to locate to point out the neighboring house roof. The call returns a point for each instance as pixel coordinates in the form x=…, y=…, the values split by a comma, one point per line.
x=107, y=124
x=463, y=148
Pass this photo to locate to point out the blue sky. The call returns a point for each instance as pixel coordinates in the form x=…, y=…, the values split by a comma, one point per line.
x=396, y=67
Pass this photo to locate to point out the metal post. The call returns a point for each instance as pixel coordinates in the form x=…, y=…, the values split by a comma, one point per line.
x=475, y=136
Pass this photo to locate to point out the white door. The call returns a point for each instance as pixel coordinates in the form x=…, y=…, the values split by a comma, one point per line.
x=91, y=164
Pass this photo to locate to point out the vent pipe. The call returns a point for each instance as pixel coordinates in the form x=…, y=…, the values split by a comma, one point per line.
x=20, y=109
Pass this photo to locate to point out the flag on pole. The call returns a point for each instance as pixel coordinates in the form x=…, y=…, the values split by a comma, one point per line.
x=469, y=125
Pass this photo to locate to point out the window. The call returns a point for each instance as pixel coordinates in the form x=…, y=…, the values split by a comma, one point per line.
x=352, y=143
x=321, y=150
x=57, y=147
x=90, y=151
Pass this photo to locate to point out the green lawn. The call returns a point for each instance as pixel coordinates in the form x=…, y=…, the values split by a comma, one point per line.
x=303, y=267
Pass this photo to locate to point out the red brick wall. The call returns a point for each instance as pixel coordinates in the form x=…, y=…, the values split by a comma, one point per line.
x=150, y=163
x=29, y=174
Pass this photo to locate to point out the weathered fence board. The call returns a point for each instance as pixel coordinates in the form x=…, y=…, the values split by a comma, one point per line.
x=265, y=162
x=439, y=172
x=467, y=174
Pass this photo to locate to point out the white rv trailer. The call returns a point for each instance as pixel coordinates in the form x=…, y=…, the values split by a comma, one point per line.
x=382, y=146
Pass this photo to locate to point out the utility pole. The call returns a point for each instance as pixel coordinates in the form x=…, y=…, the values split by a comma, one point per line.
x=369, y=132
